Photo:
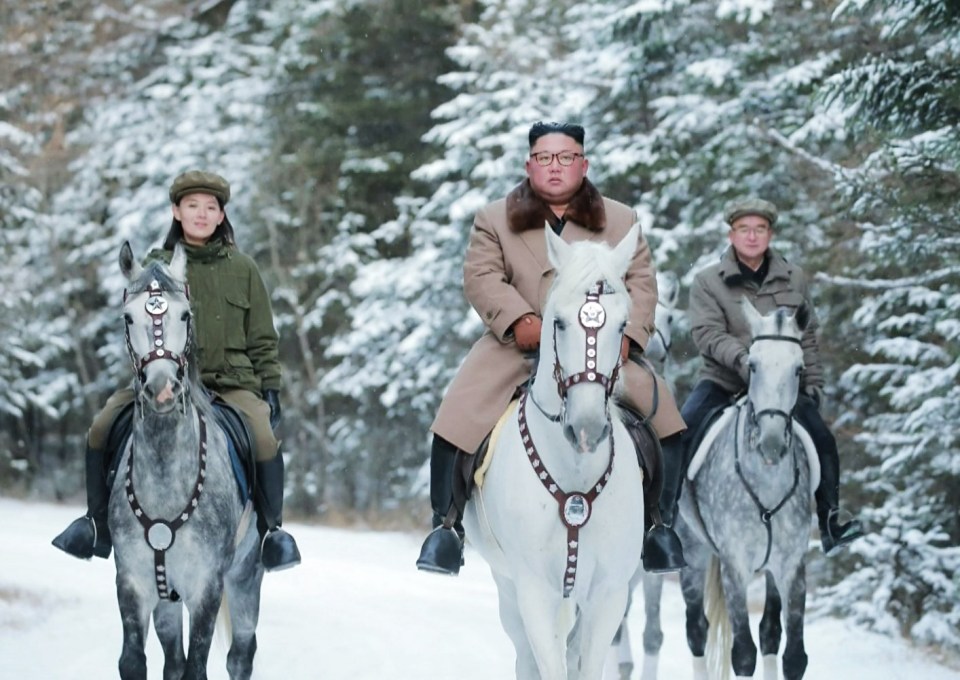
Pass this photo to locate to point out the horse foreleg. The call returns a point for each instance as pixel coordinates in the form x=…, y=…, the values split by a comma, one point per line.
x=547, y=625
x=770, y=629
x=652, y=632
x=242, y=598
x=203, y=618
x=135, y=617
x=744, y=651
x=168, y=620
x=512, y=622
x=691, y=585
x=599, y=619
x=794, y=655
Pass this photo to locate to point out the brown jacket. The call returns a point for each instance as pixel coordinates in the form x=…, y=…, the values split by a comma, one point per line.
x=720, y=330
x=507, y=274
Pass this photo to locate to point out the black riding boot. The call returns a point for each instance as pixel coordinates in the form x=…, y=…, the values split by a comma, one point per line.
x=833, y=534
x=89, y=535
x=442, y=551
x=662, y=551
x=674, y=468
x=278, y=549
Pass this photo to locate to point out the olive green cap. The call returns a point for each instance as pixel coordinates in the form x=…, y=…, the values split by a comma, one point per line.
x=200, y=182
x=750, y=206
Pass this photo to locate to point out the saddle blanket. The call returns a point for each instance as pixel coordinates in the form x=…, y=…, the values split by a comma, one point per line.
x=728, y=414
x=507, y=416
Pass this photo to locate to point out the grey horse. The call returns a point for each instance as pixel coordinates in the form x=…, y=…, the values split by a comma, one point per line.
x=746, y=511
x=181, y=533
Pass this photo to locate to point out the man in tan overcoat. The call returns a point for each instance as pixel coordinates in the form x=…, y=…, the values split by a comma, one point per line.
x=506, y=278
x=750, y=268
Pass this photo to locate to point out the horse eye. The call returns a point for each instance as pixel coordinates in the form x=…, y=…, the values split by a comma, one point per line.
x=127, y=319
x=799, y=370
x=559, y=324
x=185, y=315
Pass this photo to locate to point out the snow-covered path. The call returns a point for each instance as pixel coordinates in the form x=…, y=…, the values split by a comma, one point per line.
x=356, y=609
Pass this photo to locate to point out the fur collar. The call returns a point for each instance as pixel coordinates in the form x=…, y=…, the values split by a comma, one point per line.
x=526, y=210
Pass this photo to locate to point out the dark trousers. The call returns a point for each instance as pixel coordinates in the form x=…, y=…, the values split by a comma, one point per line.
x=708, y=395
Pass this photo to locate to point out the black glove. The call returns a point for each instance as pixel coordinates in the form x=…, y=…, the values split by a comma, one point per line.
x=272, y=397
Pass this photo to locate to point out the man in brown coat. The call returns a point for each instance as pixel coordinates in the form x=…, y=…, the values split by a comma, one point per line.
x=751, y=268
x=506, y=278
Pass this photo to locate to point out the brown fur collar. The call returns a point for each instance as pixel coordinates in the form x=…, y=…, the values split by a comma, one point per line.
x=526, y=210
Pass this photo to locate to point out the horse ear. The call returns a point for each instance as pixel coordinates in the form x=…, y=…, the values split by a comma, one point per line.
x=178, y=263
x=668, y=286
x=558, y=250
x=802, y=317
x=754, y=318
x=627, y=248
x=128, y=264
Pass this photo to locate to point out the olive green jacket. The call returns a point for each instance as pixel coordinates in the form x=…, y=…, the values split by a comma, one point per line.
x=720, y=330
x=237, y=344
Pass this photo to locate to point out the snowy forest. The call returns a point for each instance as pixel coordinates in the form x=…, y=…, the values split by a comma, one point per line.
x=360, y=136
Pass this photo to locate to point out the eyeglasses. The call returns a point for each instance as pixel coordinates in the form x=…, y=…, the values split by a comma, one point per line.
x=758, y=230
x=564, y=158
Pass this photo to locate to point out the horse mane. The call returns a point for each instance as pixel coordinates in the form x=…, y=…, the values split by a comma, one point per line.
x=588, y=263
x=156, y=271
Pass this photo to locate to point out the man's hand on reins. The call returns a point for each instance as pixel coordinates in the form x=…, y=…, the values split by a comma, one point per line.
x=526, y=331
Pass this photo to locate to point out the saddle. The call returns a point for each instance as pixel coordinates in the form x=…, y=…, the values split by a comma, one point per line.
x=230, y=421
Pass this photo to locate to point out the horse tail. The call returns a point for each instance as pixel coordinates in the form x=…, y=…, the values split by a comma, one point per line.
x=719, y=633
x=224, y=629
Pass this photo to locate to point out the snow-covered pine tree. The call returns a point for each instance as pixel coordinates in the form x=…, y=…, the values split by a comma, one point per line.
x=904, y=101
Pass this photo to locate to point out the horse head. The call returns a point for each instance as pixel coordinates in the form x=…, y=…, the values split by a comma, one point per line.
x=668, y=293
x=776, y=364
x=156, y=311
x=583, y=323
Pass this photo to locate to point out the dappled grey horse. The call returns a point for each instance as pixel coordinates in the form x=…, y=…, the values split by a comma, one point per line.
x=746, y=511
x=181, y=534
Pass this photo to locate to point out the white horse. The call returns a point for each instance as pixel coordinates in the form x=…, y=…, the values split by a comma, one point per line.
x=559, y=514
x=620, y=663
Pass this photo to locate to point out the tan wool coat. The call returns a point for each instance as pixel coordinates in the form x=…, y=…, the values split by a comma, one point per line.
x=720, y=330
x=507, y=274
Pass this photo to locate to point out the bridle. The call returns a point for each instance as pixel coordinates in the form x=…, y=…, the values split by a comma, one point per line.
x=576, y=506
x=160, y=533
x=766, y=514
x=592, y=317
x=156, y=307
x=787, y=416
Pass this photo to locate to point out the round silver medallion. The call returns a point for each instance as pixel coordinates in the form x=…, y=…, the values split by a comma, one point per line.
x=576, y=510
x=160, y=536
x=156, y=304
x=592, y=314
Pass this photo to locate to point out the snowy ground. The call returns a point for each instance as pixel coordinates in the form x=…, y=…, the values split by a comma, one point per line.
x=356, y=609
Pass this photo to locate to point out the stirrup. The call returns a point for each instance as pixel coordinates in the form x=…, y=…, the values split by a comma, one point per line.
x=442, y=552
x=662, y=551
x=835, y=535
x=278, y=550
x=82, y=539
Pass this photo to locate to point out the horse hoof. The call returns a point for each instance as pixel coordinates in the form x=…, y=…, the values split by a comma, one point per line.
x=442, y=552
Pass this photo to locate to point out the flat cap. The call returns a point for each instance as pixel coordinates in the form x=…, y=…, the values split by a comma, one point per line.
x=197, y=182
x=750, y=206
